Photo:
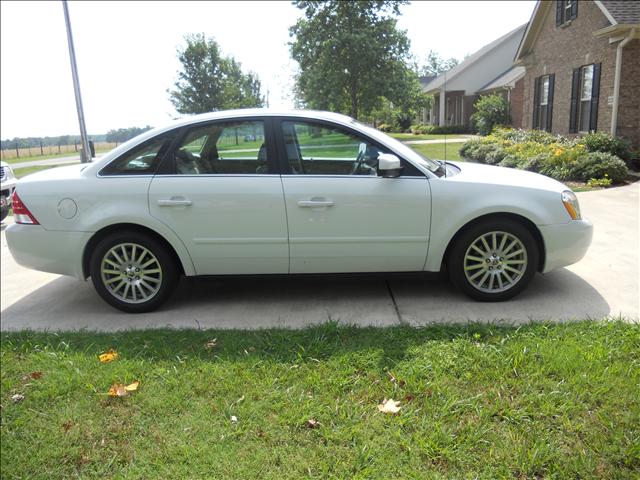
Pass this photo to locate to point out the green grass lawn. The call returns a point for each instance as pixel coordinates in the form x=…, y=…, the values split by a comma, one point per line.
x=21, y=172
x=53, y=155
x=438, y=151
x=477, y=401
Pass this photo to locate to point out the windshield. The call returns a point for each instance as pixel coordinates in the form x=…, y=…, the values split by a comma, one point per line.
x=407, y=152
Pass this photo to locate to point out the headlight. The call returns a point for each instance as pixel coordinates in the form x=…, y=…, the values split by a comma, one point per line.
x=570, y=202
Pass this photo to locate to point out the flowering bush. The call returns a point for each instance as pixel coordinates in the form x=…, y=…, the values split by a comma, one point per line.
x=553, y=155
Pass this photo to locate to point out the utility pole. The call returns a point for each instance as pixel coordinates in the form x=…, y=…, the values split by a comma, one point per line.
x=85, y=153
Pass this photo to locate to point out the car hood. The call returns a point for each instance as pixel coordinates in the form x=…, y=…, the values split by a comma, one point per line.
x=491, y=175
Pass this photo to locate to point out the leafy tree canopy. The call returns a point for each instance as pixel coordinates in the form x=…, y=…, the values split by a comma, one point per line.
x=209, y=81
x=434, y=64
x=351, y=56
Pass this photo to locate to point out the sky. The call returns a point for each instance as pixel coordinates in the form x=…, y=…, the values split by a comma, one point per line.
x=126, y=53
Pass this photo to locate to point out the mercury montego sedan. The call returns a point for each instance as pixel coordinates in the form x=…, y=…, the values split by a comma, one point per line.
x=288, y=192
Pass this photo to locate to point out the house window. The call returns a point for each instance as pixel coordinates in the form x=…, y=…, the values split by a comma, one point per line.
x=543, y=102
x=586, y=88
x=566, y=10
x=584, y=98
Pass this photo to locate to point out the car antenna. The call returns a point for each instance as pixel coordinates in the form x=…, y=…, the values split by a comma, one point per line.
x=444, y=94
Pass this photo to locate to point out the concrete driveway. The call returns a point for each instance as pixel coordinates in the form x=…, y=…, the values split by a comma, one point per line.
x=604, y=283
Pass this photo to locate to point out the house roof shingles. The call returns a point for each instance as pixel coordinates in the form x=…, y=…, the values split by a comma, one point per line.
x=623, y=11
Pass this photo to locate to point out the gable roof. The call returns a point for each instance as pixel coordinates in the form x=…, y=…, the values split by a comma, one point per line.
x=507, y=79
x=617, y=12
x=620, y=12
x=462, y=68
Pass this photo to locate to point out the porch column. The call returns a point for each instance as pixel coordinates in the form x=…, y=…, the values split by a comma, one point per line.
x=443, y=120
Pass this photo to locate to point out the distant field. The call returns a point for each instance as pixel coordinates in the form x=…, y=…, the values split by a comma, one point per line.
x=26, y=154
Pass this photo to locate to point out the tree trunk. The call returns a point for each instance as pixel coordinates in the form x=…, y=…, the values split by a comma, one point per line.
x=354, y=99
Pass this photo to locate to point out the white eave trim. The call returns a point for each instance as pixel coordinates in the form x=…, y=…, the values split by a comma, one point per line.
x=527, y=31
x=606, y=12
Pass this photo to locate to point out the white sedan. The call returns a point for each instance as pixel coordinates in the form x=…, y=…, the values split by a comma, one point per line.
x=264, y=192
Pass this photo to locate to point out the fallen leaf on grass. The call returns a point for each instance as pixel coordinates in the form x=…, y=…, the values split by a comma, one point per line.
x=67, y=425
x=312, y=423
x=122, y=390
x=108, y=356
x=17, y=398
x=211, y=344
x=32, y=375
x=389, y=406
x=393, y=379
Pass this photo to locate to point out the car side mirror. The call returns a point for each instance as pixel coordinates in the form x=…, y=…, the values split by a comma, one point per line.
x=389, y=166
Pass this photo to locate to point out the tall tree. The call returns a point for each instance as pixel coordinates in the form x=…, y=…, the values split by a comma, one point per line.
x=350, y=55
x=434, y=64
x=208, y=81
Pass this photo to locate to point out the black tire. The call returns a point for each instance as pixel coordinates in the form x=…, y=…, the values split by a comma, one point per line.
x=529, y=260
x=4, y=211
x=163, y=261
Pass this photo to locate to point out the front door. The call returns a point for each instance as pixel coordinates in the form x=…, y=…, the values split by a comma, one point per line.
x=223, y=197
x=342, y=216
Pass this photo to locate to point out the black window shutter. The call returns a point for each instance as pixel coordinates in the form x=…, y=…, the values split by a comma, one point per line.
x=550, y=103
x=595, y=94
x=559, y=11
x=574, y=10
x=536, y=102
x=575, y=92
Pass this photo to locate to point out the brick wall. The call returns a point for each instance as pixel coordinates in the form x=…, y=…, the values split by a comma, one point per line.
x=559, y=50
x=629, y=107
x=517, y=95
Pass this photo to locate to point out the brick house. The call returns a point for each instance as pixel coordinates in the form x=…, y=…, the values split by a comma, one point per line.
x=489, y=70
x=582, y=62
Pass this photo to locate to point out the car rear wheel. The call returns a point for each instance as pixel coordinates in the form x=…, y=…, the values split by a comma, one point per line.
x=133, y=272
x=494, y=261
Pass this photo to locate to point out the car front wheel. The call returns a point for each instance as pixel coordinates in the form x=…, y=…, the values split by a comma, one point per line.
x=133, y=272
x=494, y=261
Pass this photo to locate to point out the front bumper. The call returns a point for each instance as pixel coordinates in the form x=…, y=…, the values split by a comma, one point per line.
x=565, y=243
x=47, y=250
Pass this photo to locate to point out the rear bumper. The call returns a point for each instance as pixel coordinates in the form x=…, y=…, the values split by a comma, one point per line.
x=48, y=251
x=566, y=243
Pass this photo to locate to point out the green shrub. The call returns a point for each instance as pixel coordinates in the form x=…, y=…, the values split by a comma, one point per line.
x=402, y=120
x=491, y=110
x=511, y=161
x=541, y=152
x=597, y=165
x=495, y=156
x=599, y=182
x=467, y=150
x=422, y=129
x=601, y=142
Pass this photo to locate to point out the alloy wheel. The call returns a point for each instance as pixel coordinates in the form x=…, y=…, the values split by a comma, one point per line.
x=495, y=262
x=131, y=273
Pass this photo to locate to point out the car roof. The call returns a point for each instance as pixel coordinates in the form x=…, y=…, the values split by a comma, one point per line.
x=259, y=112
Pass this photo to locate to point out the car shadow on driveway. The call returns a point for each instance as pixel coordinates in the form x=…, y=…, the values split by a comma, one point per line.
x=263, y=302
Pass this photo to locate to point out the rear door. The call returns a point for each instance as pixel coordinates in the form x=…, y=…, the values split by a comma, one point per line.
x=342, y=216
x=219, y=190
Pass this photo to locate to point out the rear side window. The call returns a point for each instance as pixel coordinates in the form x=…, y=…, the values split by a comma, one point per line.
x=223, y=148
x=141, y=160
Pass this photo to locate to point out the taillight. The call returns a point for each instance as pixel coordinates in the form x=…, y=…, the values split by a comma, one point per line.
x=21, y=213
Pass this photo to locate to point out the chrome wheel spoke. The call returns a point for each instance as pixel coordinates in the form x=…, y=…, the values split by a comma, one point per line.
x=126, y=277
x=495, y=261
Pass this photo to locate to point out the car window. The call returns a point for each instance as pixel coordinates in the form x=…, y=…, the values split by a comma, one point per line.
x=223, y=148
x=316, y=149
x=141, y=160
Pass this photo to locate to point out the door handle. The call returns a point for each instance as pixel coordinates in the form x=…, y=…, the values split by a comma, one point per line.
x=174, y=202
x=315, y=203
